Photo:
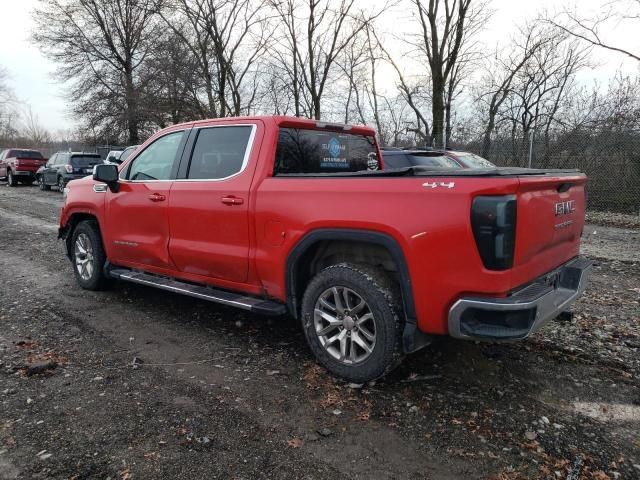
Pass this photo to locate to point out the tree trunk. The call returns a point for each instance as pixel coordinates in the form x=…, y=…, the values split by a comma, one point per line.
x=132, y=107
x=437, y=111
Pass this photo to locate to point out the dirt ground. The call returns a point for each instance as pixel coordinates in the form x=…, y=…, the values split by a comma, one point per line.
x=150, y=385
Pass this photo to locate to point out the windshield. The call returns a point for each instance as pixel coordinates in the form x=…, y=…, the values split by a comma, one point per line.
x=85, y=160
x=24, y=154
x=439, y=161
x=127, y=152
x=471, y=160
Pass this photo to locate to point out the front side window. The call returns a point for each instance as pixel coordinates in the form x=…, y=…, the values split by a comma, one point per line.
x=219, y=152
x=156, y=162
x=316, y=151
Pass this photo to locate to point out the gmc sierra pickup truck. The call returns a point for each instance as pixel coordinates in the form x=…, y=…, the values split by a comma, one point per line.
x=279, y=214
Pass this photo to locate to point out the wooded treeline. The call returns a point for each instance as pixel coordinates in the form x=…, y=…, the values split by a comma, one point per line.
x=416, y=70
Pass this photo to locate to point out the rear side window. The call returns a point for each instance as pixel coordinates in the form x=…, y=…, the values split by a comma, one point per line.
x=315, y=151
x=85, y=160
x=25, y=154
x=219, y=152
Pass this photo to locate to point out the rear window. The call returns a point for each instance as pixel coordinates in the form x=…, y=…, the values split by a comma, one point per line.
x=437, y=161
x=472, y=160
x=24, y=154
x=315, y=151
x=85, y=160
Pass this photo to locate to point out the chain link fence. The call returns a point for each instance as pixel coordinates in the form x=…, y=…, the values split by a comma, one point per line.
x=611, y=160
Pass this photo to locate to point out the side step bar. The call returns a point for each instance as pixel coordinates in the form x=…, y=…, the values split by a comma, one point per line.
x=253, y=304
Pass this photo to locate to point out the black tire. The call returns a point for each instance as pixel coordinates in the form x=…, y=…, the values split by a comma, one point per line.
x=11, y=180
x=382, y=301
x=41, y=185
x=88, y=230
x=60, y=184
x=28, y=182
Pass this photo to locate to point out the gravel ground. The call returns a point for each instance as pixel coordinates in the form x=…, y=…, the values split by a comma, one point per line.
x=134, y=383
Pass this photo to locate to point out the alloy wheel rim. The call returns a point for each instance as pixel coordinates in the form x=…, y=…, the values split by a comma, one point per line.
x=345, y=325
x=61, y=185
x=83, y=251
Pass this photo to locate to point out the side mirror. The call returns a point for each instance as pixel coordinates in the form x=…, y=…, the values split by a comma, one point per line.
x=108, y=174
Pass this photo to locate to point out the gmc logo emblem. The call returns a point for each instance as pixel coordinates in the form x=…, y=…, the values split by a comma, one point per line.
x=565, y=208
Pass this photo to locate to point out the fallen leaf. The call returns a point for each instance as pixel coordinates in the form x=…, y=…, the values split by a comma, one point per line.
x=295, y=443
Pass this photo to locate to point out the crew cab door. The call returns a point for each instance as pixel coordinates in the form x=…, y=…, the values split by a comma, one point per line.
x=137, y=219
x=209, y=203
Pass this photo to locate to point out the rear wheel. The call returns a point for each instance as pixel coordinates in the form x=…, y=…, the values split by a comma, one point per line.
x=60, y=184
x=43, y=186
x=88, y=257
x=351, y=322
x=11, y=180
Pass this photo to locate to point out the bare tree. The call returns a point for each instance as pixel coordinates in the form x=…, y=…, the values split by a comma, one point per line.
x=227, y=38
x=501, y=71
x=100, y=45
x=316, y=33
x=446, y=27
x=592, y=30
x=32, y=129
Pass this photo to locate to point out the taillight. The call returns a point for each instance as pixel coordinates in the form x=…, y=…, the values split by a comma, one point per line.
x=68, y=168
x=493, y=220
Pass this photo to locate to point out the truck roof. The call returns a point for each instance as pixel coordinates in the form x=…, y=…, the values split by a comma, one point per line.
x=290, y=122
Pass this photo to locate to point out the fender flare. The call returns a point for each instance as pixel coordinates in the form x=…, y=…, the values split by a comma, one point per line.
x=412, y=338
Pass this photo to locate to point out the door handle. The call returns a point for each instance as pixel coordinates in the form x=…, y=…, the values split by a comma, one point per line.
x=231, y=200
x=156, y=197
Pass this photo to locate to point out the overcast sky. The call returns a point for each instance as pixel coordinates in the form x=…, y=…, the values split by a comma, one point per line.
x=33, y=77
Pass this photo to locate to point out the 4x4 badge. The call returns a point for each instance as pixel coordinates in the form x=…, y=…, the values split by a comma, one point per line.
x=438, y=184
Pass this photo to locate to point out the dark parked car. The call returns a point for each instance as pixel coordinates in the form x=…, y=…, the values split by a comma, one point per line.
x=397, y=158
x=63, y=167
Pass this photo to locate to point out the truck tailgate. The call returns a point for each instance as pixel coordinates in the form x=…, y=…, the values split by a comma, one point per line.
x=550, y=219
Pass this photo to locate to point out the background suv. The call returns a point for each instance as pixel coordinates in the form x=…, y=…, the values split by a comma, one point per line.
x=63, y=167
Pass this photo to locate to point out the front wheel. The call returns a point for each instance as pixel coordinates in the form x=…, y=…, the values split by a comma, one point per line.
x=351, y=322
x=41, y=185
x=87, y=254
x=11, y=180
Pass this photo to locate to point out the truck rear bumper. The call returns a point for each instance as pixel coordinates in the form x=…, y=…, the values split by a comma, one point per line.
x=524, y=311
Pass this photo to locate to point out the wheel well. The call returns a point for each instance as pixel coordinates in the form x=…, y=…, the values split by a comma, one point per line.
x=325, y=253
x=71, y=225
x=322, y=248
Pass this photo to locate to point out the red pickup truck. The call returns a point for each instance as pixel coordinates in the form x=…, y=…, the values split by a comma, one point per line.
x=20, y=165
x=280, y=214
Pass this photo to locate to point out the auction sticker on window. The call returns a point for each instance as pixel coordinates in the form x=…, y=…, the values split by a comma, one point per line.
x=335, y=152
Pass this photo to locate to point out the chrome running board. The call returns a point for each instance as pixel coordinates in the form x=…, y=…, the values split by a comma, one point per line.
x=253, y=304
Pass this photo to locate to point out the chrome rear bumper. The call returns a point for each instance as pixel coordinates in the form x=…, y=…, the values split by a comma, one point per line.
x=524, y=311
